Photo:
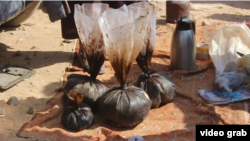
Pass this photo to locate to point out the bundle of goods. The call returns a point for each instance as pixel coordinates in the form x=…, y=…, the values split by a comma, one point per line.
x=82, y=91
x=123, y=30
x=77, y=118
x=159, y=87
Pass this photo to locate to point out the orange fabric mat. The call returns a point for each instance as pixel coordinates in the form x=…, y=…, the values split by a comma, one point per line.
x=174, y=121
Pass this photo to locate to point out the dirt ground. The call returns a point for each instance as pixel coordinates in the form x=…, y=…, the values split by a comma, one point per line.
x=39, y=36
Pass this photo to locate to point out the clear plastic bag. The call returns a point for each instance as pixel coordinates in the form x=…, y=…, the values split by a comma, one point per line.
x=123, y=31
x=147, y=48
x=159, y=87
x=223, y=50
x=226, y=42
x=229, y=81
x=86, y=18
x=231, y=67
x=123, y=34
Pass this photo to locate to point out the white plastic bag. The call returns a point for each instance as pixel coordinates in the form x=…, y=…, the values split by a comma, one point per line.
x=150, y=34
x=86, y=19
x=126, y=105
x=123, y=31
x=226, y=42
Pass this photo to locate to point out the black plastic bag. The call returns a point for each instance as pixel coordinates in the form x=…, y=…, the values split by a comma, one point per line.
x=86, y=17
x=123, y=35
x=126, y=106
x=159, y=87
x=83, y=85
x=77, y=118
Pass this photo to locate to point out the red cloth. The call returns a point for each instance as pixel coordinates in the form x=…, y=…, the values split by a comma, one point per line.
x=173, y=121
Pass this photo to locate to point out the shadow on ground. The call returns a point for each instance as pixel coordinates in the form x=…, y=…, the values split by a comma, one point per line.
x=229, y=17
x=33, y=59
x=236, y=4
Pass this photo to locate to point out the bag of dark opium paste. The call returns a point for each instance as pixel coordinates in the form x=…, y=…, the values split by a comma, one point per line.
x=159, y=87
x=124, y=106
x=77, y=118
x=123, y=31
x=86, y=18
x=92, y=89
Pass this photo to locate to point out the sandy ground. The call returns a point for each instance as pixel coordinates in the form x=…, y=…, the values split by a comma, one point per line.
x=52, y=57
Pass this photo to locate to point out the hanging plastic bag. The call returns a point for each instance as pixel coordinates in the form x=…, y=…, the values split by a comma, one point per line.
x=159, y=87
x=86, y=19
x=226, y=43
x=126, y=105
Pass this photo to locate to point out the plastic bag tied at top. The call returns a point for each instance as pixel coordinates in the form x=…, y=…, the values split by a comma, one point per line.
x=86, y=19
x=123, y=34
x=159, y=87
x=77, y=118
x=123, y=31
x=148, y=45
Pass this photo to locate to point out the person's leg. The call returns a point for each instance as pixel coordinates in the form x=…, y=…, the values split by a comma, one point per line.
x=68, y=26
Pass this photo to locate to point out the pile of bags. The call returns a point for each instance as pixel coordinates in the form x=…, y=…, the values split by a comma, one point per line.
x=124, y=35
x=82, y=91
x=159, y=87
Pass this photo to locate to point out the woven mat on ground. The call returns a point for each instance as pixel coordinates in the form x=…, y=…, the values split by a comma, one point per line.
x=173, y=121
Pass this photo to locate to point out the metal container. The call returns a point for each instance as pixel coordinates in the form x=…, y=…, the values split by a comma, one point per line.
x=183, y=46
x=202, y=51
x=176, y=10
